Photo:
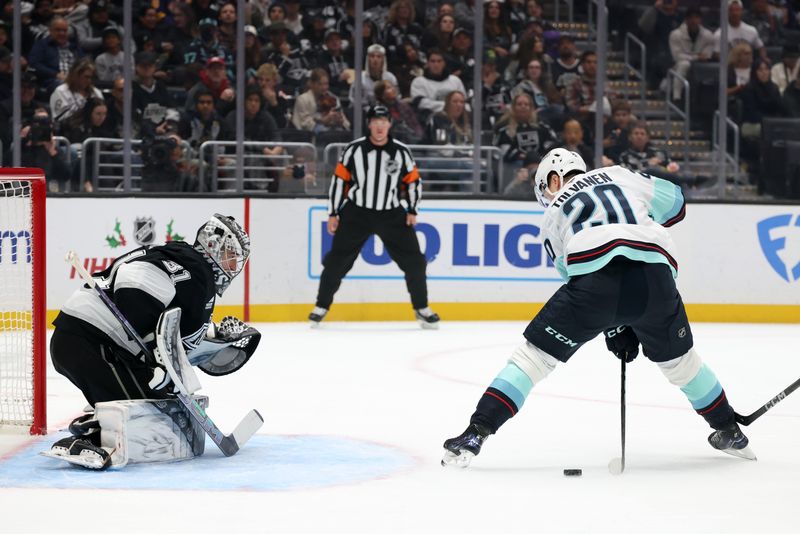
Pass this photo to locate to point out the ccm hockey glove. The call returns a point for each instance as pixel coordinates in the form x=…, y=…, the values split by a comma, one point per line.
x=622, y=342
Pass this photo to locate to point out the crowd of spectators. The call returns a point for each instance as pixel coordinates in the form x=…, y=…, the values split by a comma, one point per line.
x=538, y=88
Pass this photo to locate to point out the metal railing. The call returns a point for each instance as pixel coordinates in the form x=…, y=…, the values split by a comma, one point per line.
x=62, y=145
x=730, y=159
x=570, y=9
x=590, y=19
x=628, y=67
x=105, y=170
x=292, y=170
x=443, y=166
x=672, y=77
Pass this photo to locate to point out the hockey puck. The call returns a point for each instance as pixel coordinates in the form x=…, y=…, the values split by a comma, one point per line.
x=573, y=472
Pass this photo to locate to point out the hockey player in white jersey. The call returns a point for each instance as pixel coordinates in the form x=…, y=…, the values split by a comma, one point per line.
x=90, y=347
x=605, y=231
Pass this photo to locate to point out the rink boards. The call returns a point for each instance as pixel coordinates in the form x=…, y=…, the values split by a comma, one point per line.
x=485, y=258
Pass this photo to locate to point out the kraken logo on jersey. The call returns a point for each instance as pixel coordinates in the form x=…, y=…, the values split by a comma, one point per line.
x=144, y=230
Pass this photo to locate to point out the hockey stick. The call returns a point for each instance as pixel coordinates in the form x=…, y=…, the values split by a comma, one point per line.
x=747, y=419
x=228, y=444
x=617, y=465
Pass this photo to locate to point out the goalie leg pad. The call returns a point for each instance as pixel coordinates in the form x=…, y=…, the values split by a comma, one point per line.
x=145, y=431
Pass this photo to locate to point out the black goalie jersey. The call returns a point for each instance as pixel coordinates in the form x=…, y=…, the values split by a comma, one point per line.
x=143, y=283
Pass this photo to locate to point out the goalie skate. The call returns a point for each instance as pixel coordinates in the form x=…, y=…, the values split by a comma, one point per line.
x=81, y=452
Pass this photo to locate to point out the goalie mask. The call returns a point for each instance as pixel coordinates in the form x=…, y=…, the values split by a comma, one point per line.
x=560, y=161
x=225, y=246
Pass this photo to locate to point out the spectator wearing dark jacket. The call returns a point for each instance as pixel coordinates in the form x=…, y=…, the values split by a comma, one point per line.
x=150, y=96
x=337, y=62
x=148, y=28
x=791, y=98
x=400, y=27
x=90, y=31
x=276, y=100
x=202, y=123
x=52, y=56
x=41, y=152
x=405, y=126
x=519, y=133
x=28, y=104
x=258, y=126
x=178, y=36
x=760, y=97
x=643, y=157
x=5, y=73
x=206, y=46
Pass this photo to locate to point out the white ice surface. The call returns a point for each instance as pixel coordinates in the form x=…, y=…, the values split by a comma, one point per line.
x=394, y=384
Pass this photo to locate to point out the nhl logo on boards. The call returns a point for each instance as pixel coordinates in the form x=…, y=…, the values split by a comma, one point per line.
x=144, y=230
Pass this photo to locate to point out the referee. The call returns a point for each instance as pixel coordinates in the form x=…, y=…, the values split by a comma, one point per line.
x=364, y=200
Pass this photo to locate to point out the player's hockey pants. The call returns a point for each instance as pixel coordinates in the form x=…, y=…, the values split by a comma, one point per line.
x=101, y=371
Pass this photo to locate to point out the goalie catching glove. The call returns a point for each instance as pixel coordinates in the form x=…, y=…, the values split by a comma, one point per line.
x=226, y=348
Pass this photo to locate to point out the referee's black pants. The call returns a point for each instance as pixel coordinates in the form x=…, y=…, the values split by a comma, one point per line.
x=356, y=225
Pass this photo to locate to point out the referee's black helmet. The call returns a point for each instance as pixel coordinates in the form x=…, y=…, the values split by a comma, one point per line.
x=378, y=111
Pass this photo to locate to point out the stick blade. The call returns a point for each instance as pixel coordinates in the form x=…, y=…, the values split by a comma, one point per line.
x=247, y=427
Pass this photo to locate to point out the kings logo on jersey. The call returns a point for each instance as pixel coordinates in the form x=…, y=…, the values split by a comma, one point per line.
x=779, y=237
x=144, y=230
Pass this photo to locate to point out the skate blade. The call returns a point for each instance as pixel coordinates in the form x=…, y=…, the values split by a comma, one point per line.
x=82, y=460
x=746, y=453
x=452, y=459
x=428, y=326
x=313, y=324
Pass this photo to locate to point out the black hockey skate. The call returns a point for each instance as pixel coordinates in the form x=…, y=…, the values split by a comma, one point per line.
x=460, y=451
x=427, y=318
x=80, y=451
x=83, y=446
x=317, y=315
x=731, y=440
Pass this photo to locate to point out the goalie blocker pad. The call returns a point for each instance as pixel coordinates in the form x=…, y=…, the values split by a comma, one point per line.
x=226, y=348
x=146, y=431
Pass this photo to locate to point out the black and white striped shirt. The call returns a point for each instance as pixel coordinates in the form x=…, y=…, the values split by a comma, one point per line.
x=373, y=176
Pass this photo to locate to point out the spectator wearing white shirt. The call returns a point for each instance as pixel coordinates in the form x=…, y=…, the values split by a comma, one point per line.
x=374, y=71
x=110, y=63
x=691, y=41
x=785, y=72
x=428, y=91
x=739, y=31
x=71, y=96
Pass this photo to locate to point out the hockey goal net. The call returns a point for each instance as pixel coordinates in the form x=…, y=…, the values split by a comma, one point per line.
x=22, y=300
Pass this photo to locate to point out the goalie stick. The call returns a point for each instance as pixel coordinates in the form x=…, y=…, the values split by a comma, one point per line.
x=747, y=419
x=229, y=444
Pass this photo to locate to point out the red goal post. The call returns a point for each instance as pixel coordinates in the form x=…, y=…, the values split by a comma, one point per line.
x=23, y=300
